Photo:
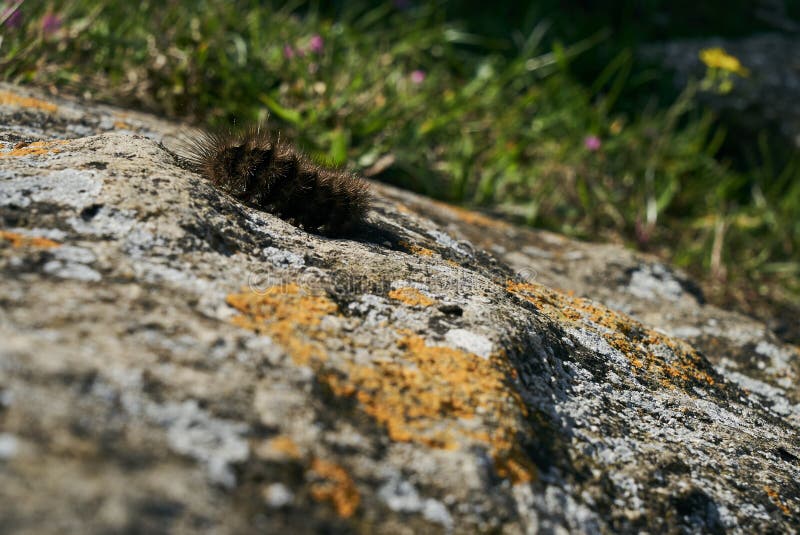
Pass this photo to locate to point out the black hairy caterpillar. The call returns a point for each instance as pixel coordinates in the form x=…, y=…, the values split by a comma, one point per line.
x=253, y=165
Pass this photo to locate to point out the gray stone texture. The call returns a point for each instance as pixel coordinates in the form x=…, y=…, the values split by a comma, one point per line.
x=172, y=361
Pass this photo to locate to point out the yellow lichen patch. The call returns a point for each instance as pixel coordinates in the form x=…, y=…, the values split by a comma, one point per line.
x=639, y=344
x=10, y=99
x=285, y=446
x=473, y=218
x=431, y=395
x=776, y=499
x=425, y=397
x=416, y=249
x=37, y=148
x=122, y=125
x=285, y=313
x=411, y=297
x=18, y=240
x=403, y=209
x=336, y=486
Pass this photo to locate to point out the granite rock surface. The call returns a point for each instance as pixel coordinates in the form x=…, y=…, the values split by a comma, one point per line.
x=174, y=361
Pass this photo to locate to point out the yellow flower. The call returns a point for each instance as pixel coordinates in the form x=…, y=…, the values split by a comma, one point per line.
x=717, y=58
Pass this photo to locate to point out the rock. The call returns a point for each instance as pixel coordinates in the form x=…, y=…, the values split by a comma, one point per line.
x=174, y=361
x=765, y=99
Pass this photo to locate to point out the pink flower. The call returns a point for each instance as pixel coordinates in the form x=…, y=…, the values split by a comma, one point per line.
x=51, y=23
x=316, y=43
x=592, y=143
x=643, y=232
x=418, y=76
x=13, y=19
x=288, y=52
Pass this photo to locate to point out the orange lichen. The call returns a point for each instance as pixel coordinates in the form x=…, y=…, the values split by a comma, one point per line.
x=403, y=209
x=283, y=312
x=471, y=217
x=336, y=486
x=425, y=396
x=776, y=499
x=10, y=99
x=286, y=446
x=18, y=240
x=122, y=125
x=411, y=297
x=430, y=395
x=416, y=249
x=638, y=343
x=37, y=148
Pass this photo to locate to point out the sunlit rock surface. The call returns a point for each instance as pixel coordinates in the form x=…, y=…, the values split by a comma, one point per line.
x=174, y=361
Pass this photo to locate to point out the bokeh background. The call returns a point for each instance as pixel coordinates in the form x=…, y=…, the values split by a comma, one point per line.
x=669, y=126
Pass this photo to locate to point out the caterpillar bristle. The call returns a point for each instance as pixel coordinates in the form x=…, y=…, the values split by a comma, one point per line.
x=253, y=165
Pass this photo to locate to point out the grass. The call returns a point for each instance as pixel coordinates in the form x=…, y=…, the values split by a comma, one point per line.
x=414, y=96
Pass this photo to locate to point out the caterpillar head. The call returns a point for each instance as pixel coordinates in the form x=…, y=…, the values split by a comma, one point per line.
x=237, y=163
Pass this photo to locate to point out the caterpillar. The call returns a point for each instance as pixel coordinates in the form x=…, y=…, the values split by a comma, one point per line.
x=254, y=166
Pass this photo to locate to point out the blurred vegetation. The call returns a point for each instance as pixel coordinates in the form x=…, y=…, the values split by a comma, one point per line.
x=539, y=112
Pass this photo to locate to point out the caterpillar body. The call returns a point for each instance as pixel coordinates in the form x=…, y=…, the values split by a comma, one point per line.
x=254, y=166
